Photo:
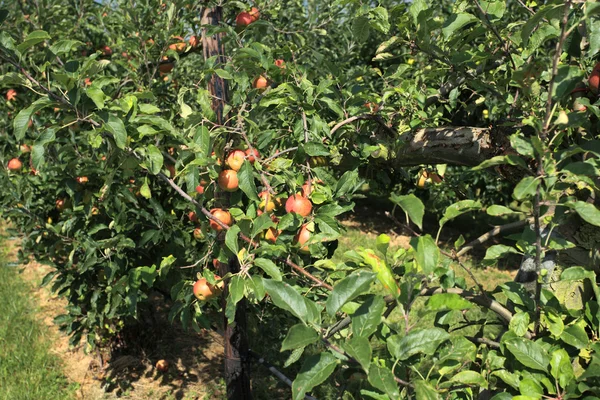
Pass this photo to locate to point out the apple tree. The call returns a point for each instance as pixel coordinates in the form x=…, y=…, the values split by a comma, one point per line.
x=206, y=150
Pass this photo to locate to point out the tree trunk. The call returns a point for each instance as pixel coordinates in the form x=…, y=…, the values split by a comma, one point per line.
x=237, y=374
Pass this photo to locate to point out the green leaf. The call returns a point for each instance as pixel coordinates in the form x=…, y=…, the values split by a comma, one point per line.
x=347, y=289
x=269, y=267
x=298, y=336
x=561, y=368
x=519, y=322
x=379, y=19
x=522, y=145
x=231, y=239
x=261, y=223
x=451, y=301
x=526, y=188
x=236, y=293
x=315, y=149
x=348, y=182
x=367, y=317
x=32, y=39
x=425, y=391
x=97, y=96
x=64, y=46
x=145, y=190
x=22, y=119
x=412, y=206
x=567, y=78
x=576, y=336
x=154, y=159
x=424, y=341
x=246, y=181
x=427, y=254
x=456, y=22
x=497, y=211
x=286, y=297
x=383, y=379
x=116, y=127
x=497, y=251
x=459, y=208
x=470, y=378
x=315, y=370
x=359, y=348
x=361, y=28
x=587, y=211
x=528, y=353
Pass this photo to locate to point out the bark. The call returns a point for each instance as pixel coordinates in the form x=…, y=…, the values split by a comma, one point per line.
x=237, y=373
x=447, y=145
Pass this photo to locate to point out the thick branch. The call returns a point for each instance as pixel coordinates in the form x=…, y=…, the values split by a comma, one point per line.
x=446, y=145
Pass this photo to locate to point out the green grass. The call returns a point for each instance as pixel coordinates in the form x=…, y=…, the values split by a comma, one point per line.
x=27, y=368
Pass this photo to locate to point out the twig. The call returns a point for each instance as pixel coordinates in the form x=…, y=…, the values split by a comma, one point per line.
x=276, y=372
x=373, y=117
x=266, y=160
x=488, y=235
x=556, y=58
x=245, y=238
x=505, y=45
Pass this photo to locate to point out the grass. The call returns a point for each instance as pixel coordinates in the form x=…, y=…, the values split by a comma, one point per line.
x=28, y=370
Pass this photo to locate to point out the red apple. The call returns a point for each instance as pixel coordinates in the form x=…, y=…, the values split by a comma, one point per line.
x=298, y=204
x=235, y=159
x=228, y=180
x=221, y=215
x=594, y=81
x=252, y=155
x=205, y=291
x=15, y=164
x=260, y=83
x=243, y=19
x=302, y=237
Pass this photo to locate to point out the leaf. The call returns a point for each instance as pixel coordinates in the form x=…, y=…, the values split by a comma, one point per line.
x=64, y=46
x=361, y=28
x=155, y=159
x=359, y=348
x=576, y=336
x=497, y=251
x=116, y=127
x=32, y=39
x=424, y=391
x=315, y=370
x=587, y=211
x=347, y=289
x=367, y=317
x=497, y=211
x=286, y=297
x=470, y=378
x=348, y=182
x=246, y=181
x=315, y=149
x=97, y=95
x=427, y=254
x=424, y=341
x=451, y=301
x=383, y=271
x=145, y=190
x=456, y=22
x=528, y=353
x=236, y=293
x=379, y=19
x=519, y=322
x=459, y=208
x=298, y=336
x=231, y=239
x=383, y=379
x=566, y=80
x=22, y=119
x=412, y=206
x=269, y=267
x=261, y=223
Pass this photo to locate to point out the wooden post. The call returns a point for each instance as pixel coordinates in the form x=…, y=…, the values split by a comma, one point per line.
x=237, y=373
